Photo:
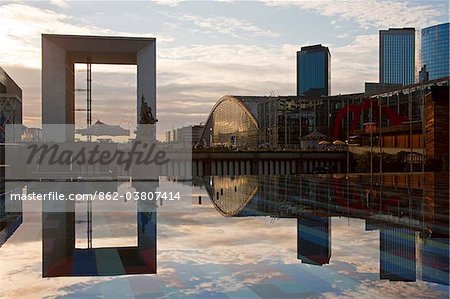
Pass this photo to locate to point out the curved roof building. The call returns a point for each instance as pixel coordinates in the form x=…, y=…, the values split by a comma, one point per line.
x=233, y=121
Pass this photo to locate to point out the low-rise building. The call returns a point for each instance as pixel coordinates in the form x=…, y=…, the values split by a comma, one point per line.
x=185, y=135
x=410, y=118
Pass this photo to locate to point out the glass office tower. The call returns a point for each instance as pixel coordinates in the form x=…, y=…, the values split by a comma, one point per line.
x=397, y=61
x=435, y=52
x=313, y=71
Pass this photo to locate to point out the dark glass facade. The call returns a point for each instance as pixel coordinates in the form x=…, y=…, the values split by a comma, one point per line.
x=284, y=121
x=435, y=51
x=278, y=119
x=313, y=70
x=397, y=56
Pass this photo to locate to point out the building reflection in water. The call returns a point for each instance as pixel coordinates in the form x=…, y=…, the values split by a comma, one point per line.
x=9, y=221
x=10, y=216
x=314, y=240
x=411, y=212
x=397, y=254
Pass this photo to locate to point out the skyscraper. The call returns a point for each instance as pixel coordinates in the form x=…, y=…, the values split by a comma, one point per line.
x=397, y=51
x=313, y=70
x=435, y=52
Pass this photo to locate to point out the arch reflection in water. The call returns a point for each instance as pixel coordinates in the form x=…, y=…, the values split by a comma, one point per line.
x=409, y=210
x=60, y=257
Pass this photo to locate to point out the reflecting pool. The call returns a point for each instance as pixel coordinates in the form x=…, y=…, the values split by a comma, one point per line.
x=249, y=237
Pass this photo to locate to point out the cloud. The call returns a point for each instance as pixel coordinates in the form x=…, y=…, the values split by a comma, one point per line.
x=192, y=78
x=370, y=13
x=354, y=64
x=22, y=26
x=226, y=25
x=60, y=3
x=171, y=3
x=21, y=30
x=343, y=35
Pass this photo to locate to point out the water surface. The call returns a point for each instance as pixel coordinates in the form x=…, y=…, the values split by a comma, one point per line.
x=265, y=237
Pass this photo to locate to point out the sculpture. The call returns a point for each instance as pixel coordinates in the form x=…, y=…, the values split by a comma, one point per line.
x=146, y=116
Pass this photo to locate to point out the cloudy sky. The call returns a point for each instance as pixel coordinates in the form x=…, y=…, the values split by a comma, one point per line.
x=205, y=49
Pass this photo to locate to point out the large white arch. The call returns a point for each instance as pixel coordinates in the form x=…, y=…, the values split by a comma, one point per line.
x=61, y=52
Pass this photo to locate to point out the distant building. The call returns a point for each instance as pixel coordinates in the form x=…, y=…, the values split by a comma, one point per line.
x=167, y=135
x=196, y=133
x=435, y=52
x=174, y=135
x=397, y=56
x=185, y=135
x=314, y=71
x=32, y=135
x=423, y=74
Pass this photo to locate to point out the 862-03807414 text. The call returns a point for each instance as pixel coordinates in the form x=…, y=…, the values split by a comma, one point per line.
x=103, y=196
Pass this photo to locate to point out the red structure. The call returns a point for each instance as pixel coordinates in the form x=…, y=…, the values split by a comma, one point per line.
x=395, y=119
